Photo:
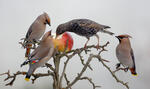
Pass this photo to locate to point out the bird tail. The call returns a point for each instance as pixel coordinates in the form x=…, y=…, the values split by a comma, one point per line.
x=28, y=49
x=29, y=73
x=104, y=27
x=133, y=71
x=108, y=32
x=27, y=78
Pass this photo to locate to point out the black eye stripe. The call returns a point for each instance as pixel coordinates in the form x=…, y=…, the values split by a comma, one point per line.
x=121, y=37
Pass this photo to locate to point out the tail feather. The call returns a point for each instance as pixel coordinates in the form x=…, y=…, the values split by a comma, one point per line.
x=27, y=78
x=108, y=32
x=103, y=29
x=28, y=49
x=29, y=73
x=133, y=71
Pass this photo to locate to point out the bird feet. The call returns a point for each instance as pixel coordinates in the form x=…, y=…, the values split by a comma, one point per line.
x=85, y=46
x=126, y=69
x=118, y=65
x=117, y=68
x=97, y=46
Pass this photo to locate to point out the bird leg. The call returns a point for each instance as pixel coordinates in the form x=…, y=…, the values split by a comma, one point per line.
x=34, y=43
x=86, y=42
x=98, y=47
x=117, y=68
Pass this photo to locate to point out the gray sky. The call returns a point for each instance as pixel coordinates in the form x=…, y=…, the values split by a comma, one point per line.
x=123, y=16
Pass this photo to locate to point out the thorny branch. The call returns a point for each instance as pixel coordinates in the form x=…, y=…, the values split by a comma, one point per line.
x=13, y=77
x=90, y=80
x=112, y=72
x=69, y=55
x=81, y=73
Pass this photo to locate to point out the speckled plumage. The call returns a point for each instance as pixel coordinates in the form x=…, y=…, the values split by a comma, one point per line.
x=83, y=27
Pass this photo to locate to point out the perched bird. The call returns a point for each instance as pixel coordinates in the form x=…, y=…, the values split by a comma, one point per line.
x=40, y=55
x=83, y=27
x=64, y=42
x=36, y=31
x=125, y=54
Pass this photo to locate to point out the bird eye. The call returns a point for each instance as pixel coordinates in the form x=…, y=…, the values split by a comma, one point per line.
x=121, y=37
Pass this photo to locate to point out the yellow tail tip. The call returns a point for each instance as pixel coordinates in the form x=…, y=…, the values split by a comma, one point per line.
x=27, y=79
x=134, y=74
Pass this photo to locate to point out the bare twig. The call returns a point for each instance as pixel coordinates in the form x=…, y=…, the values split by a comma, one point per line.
x=50, y=66
x=90, y=80
x=82, y=61
x=124, y=69
x=113, y=75
x=67, y=81
x=36, y=76
x=103, y=48
x=81, y=73
x=13, y=77
x=79, y=50
x=64, y=69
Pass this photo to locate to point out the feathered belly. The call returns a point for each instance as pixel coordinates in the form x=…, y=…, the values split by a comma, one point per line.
x=125, y=60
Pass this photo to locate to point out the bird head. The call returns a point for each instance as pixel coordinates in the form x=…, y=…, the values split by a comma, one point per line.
x=123, y=37
x=47, y=19
x=63, y=42
x=60, y=30
x=46, y=35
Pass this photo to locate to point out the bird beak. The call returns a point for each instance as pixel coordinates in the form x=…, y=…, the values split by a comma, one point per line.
x=48, y=22
x=117, y=37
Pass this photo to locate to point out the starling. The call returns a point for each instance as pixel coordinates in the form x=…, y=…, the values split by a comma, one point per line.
x=83, y=27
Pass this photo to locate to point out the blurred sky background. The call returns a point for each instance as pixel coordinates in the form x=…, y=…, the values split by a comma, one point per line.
x=123, y=16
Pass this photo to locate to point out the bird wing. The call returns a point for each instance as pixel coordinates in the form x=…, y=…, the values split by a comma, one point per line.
x=83, y=27
x=93, y=27
x=29, y=32
x=34, y=52
x=48, y=55
x=132, y=55
x=88, y=24
x=38, y=54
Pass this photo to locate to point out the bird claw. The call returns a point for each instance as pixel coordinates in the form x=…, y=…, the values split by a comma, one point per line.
x=126, y=69
x=85, y=46
x=97, y=47
x=118, y=65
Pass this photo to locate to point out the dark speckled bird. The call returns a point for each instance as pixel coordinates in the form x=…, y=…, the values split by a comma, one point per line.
x=83, y=27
